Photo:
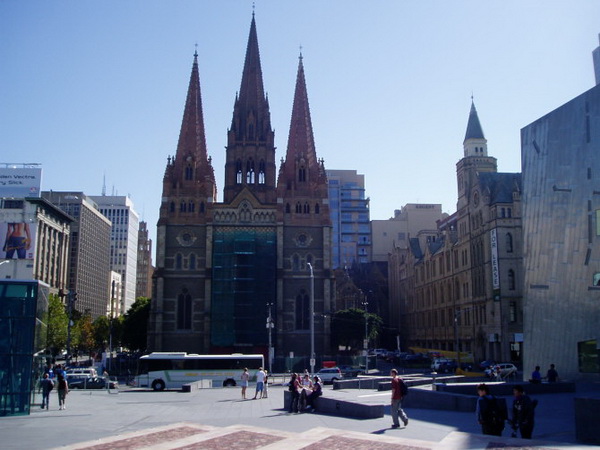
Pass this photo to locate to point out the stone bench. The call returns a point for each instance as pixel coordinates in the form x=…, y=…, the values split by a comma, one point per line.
x=339, y=406
x=506, y=389
x=195, y=385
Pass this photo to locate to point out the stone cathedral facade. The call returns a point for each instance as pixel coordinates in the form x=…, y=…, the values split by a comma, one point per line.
x=222, y=265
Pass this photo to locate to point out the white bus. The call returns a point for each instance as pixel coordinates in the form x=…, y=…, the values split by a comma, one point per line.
x=164, y=370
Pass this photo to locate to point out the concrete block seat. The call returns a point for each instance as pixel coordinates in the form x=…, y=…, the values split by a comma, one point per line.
x=341, y=404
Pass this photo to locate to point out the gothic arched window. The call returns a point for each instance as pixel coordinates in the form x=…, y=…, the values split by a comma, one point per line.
x=261, y=173
x=287, y=208
x=201, y=207
x=511, y=280
x=295, y=262
x=238, y=172
x=250, y=172
x=184, y=310
x=189, y=172
x=172, y=207
x=298, y=208
x=306, y=208
x=182, y=207
x=192, y=262
x=178, y=261
x=191, y=207
x=302, y=311
x=317, y=208
x=509, y=243
x=302, y=174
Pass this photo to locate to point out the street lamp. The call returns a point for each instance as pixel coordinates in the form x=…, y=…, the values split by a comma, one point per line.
x=270, y=326
x=366, y=342
x=312, y=318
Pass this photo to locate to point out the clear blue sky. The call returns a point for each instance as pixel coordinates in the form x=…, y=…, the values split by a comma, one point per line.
x=89, y=89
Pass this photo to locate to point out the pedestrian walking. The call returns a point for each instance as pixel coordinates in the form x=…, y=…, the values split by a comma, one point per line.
x=46, y=385
x=490, y=412
x=523, y=411
x=399, y=390
x=245, y=377
x=63, y=390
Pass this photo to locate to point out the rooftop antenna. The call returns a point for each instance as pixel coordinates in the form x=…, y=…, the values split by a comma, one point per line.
x=104, y=185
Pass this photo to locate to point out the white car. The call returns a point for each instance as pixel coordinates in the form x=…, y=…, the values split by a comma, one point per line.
x=502, y=370
x=330, y=374
x=438, y=362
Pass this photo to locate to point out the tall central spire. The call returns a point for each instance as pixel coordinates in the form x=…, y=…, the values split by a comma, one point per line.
x=250, y=158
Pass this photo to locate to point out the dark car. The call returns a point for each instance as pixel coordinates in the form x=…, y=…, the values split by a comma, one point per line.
x=351, y=371
x=92, y=383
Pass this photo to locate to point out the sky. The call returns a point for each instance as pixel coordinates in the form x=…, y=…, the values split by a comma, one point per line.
x=95, y=90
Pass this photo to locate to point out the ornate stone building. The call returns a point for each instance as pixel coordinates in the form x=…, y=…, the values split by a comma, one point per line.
x=459, y=287
x=220, y=264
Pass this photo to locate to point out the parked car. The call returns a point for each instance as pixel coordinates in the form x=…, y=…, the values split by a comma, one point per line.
x=486, y=364
x=437, y=362
x=503, y=370
x=351, y=371
x=93, y=383
x=443, y=365
x=330, y=374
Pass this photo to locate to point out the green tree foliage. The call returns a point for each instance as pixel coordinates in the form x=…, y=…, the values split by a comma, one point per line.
x=57, y=325
x=101, y=332
x=135, y=325
x=82, y=334
x=348, y=327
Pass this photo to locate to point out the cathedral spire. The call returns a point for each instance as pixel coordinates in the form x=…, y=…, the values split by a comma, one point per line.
x=301, y=168
x=251, y=117
x=475, y=143
x=191, y=149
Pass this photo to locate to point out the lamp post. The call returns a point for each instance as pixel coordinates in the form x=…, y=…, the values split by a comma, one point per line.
x=366, y=342
x=71, y=299
x=312, y=319
x=270, y=326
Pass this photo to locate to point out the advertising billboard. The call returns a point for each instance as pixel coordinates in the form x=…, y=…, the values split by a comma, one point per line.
x=20, y=182
x=18, y=240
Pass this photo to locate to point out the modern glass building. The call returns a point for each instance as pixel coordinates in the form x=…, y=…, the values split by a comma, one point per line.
x=24, y=307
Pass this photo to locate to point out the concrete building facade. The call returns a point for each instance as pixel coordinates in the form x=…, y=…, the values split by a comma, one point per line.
x=49, y=228
x=561, y=218
x=123, y=242
x=89, y=258
x=145, y=269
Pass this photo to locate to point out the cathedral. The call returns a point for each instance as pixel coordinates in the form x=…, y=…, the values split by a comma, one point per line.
x=223, y=267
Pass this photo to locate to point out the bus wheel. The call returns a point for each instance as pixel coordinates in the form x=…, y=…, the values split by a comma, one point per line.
x=158, y=385
x=228, y=382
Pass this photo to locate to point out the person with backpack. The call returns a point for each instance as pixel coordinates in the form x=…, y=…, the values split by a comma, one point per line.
x=46, y=385
x=523, y=410
x=399, y=391
x=490, y=411
x=63, y=390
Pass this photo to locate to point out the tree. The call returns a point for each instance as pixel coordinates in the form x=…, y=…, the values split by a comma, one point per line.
x=101, y=331
x=83, y=332
x=135, y=325
x=348, y=327
x=58, y=322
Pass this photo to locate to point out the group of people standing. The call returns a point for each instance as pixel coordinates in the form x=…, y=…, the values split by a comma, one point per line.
x=551, y=375
x=262, y=383
x=304, y=391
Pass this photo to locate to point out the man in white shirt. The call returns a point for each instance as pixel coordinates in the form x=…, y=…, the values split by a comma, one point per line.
x=260, y=382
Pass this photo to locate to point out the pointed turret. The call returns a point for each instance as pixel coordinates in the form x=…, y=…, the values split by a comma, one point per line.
x=475, y=143
x=302, y=177
x=189, y=181
x=250, y=159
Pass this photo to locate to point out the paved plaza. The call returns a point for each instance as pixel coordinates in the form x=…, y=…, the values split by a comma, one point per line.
x=219, y=418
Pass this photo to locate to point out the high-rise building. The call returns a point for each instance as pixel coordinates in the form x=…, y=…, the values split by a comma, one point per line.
x=561, y=221
x=350, y=219
x=596, y=57
x=89, y=259
x=220, y=264
x=144, y=263
x=123, y=242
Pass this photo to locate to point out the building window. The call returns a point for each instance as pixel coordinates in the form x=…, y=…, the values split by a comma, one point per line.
x=189, y=173
x=250, y=172
x=287, y=208
x=172, y=207
x=306, y=208
x=192, y=206
x=184, y=310
x=261, y=173
x=302, y=311
x=192, y=262
x=238, y=172
x=201, y=207
x=178, y=261
x=298, y=208
x=317, y=209
x=509, y=243
x=302, y=174
x=511, y=280
x=512, y=312
x=589, y=356
x=182, y=207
